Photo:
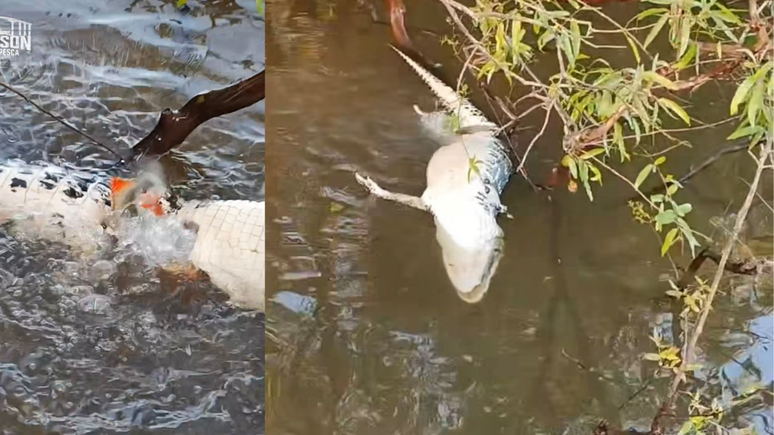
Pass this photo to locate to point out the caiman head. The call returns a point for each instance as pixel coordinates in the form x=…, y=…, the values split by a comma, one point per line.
x=470, y=268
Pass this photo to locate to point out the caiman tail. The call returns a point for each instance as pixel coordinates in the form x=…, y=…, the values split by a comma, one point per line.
x=468, y=114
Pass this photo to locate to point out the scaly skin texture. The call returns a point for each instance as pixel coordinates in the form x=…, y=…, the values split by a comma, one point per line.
x=231, y=247
x=47, y=188
x=49, y=202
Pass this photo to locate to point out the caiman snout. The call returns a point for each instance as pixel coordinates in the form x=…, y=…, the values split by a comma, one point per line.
x=470, y=268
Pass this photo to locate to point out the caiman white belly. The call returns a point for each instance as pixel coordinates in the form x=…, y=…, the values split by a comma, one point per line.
x=465, y=203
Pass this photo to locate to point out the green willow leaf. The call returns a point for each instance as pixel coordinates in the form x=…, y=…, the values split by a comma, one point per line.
x=643, y=175
x=661, y=80
x=675, y=108
x=583, y=170
x=576, y=38
x=651, y=357
x=689, y=55
x=595, y=152
x=655, y=30
x=687, y=427
x=756, y=103
x=633, y=45
x=573, y=168
x=688, y=234
x=648, y=12
x=741, y=94
x=745, y=130
x=545, y=38
x=685, y=37
x=683, y=209
x=589, y=193
x=666, y=217
x=635, y=125
x=669, y=240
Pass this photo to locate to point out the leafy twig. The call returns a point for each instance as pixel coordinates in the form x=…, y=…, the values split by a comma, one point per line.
x=693, y=338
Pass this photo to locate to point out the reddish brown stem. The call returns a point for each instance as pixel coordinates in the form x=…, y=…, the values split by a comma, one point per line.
x=401, y=37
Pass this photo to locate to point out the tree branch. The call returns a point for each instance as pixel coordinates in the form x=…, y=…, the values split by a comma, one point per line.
x=693, y=338
x=709, y=161
x=174, y=127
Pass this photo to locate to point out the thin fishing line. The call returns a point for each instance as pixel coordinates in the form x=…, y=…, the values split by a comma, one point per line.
x=63, y=122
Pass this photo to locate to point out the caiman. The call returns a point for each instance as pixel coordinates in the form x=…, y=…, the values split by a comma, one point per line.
x=76, y=208
x=465, y=177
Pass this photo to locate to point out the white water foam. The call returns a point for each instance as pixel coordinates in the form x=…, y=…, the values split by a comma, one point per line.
x=160, y=241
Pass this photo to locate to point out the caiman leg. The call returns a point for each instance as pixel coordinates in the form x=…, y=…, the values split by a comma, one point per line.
x=401, y=198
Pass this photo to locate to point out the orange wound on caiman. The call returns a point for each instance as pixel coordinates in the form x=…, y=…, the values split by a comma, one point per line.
x=119, y=184
x=152, y=202
x=148, y=201
x=118, y=192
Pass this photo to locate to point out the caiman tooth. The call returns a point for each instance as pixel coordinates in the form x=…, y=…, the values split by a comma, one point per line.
x=469, y=115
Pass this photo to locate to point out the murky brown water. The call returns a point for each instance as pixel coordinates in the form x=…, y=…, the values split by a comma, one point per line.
x=101, y=349
x=367, y=334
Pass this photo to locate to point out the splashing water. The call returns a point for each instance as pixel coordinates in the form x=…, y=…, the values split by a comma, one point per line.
x=159, y=241
x=87, y=240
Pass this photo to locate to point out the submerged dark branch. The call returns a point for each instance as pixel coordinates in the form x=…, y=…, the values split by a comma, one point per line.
x=709, y=161
x=174, y=127
x=750, y=267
